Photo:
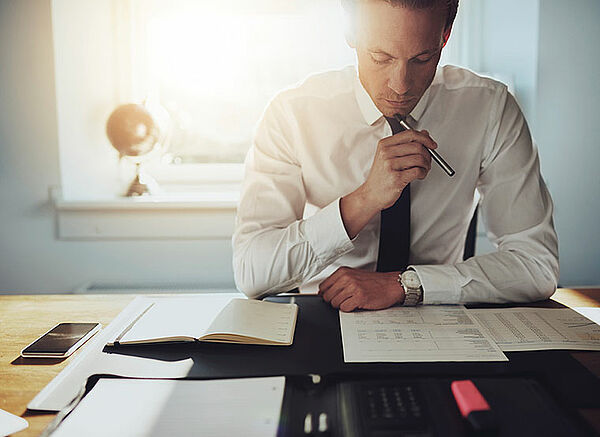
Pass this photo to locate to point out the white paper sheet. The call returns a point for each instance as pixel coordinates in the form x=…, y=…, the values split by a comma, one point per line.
x=142, y=408
x=592, y=313
x=424, y=333
x=10, y=424
x=526, y=329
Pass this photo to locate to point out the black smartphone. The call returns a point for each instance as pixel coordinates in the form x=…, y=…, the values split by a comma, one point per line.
x=61, y=341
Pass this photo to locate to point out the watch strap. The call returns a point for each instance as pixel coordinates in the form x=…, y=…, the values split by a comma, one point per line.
x=412, y=296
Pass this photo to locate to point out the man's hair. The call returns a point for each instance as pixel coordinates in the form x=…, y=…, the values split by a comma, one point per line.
x=451, y=6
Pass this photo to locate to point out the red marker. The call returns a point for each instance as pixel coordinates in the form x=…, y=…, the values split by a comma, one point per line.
x=473, y=406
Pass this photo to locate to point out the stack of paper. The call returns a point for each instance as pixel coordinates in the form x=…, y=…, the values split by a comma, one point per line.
x=453, y=333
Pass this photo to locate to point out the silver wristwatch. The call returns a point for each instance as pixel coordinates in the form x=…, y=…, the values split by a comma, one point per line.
x=413, y=291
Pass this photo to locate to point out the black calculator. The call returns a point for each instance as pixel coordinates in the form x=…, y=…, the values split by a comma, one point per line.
x=384, y=408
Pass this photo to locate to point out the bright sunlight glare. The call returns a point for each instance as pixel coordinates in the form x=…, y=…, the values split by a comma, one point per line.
x=216, y=66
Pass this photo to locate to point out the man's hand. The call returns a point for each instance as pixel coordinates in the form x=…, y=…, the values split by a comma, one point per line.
x=399, y=160
x=349, y=289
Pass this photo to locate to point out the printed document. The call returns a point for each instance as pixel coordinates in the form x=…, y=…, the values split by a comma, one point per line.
x=527, y=329
x=424, y=333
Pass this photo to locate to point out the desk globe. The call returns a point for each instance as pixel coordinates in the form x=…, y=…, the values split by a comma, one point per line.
x=133, y=132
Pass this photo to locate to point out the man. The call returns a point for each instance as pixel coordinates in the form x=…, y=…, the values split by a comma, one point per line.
x=337, y=198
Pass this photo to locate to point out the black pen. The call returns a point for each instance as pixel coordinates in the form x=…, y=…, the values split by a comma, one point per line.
x=436, y=156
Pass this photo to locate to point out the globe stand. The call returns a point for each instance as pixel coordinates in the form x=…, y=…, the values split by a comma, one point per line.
x=142, y=184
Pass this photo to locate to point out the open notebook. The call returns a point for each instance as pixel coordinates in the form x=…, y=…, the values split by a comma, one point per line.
x=212, y=318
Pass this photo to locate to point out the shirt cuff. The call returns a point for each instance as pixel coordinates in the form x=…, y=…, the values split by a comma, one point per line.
x=442, y=284
x=326, y=233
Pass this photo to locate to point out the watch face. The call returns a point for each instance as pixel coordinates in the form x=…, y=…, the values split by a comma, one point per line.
x=410, y=279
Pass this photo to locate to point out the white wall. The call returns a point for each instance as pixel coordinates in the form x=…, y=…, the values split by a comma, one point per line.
x=87, y=160
x=509, y=31
x=549, y=49
x=568, y=130
x=31, y=259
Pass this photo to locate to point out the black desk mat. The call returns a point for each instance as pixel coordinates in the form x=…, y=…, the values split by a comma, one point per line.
x=317, y=348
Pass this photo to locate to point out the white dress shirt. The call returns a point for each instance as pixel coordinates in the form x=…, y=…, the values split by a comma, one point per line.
x=316, y=143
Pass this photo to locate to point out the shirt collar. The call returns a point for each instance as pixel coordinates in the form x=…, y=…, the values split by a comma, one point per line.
x=370, y=112
x=368, y=109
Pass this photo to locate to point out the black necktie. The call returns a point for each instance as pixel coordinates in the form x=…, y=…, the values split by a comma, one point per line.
x=394, y=238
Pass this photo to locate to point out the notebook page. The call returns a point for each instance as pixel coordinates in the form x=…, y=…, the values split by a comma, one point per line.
x=176, y=317
x=274, y=322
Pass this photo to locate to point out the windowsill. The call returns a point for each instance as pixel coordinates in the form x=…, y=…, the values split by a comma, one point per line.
x=185, y=201
x=177, y=216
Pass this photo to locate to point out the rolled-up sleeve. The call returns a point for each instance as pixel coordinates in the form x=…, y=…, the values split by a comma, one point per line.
x=517, y=210
x=274, y=248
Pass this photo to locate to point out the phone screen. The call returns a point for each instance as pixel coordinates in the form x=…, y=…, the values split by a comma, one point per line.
x=60, y=339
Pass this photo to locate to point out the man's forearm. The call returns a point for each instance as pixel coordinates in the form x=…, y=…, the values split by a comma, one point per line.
x=275, y=259
x=356, y=212
x=504, y=276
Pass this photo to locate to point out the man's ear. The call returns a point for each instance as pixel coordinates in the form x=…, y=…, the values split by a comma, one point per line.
x=446, y=36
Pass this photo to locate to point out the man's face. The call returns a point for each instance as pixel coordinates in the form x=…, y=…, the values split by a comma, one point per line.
x=398, y=49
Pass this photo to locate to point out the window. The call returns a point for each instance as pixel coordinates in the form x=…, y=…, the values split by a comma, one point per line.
x=212, y=66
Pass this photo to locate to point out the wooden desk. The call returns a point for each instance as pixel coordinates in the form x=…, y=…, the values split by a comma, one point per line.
x=24, y=318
